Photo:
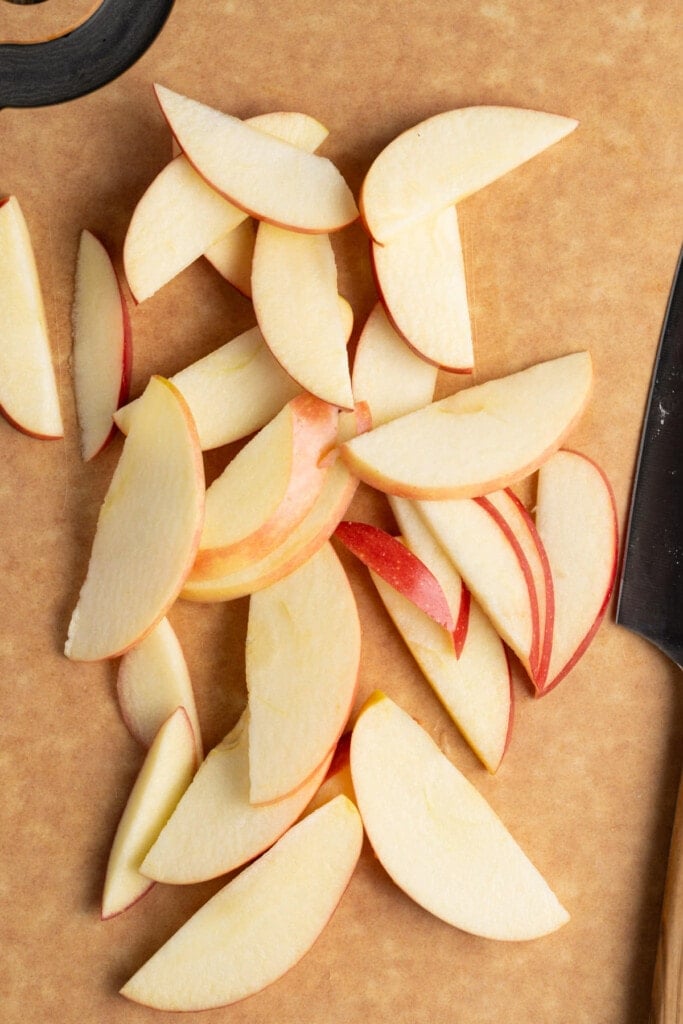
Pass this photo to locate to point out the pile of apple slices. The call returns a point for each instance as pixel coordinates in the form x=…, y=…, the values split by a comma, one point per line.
x=471, y=579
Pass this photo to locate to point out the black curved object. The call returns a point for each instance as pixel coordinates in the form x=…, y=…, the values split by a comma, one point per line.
x=113, y=38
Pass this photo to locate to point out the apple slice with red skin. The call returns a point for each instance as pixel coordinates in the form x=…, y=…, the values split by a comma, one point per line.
x=261, y=923
x=102, y=350
x=577, y=522
x=387, y=557
x=266, y=177
x=165, y=775
x=29, y=398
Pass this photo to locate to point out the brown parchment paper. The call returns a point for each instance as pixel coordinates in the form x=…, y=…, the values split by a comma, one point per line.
x=576, y=249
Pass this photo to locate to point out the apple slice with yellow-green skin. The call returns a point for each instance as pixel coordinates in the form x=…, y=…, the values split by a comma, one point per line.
x=420, y=275
x=165, y=775
x=29, y=397
x=232, y=256
x=266, y=489
x=387, y=374
x=180, y=217
x=577, y=522
x=102, y=345
x=302, y=660
x=295, y=296
x=261, y=923
x=447, y=157
x=438, y=838
x=265, y=176
x=480, y=439
x=148, y=530
x=152, y=681
x=215, y=829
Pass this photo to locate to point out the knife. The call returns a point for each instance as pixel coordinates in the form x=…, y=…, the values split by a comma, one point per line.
x=650, y=600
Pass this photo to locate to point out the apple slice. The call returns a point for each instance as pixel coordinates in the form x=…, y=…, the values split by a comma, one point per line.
x=438, y=838
x=479, y=439
x=232, y=256
x=148, y=530
x=180, y=216
x=152, y=681
x=28, y=388
x=337, y=779
x=266, y=489
x=445, y=158
x=264, y=176
x=215, y=829
x=261, y=923
x=308, y=537
x=420, y=276
x=102, y=346
x=164, y=777
x=294, y=291
x=302, y=660
x=399, y=567
x=387, y=374
x=577, y=521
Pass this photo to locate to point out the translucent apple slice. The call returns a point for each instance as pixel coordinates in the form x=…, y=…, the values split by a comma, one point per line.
x=302, y=661
x=261, y=923
x=102, y=345
x=29, y=397
x=180, y=216
x=215, y=829
x=438, y=838
x=445, y=158
x=264, y=176
x=577, y=521
x=148, y=530
x=163, y=778
x=420, y=275
x=295, y=296
x=152, y=681
x=387, y=374
x=479, y=439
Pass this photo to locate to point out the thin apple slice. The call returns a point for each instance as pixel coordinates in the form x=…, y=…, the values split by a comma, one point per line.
x=163, y=778
x=295, y=296
x=102, y=345
x=387, y=374
x=180, y=216
x=148, y=530
x=232, y=256
x=302, y=660
x=267, y=489
x=337, y=779
x=399, y=567
x=264, y=176
x=261, y=923
x=438, y=838
x=29, y=398
x=313, y=531
x=479, y=439
x=215, y=829
x=420, y=275
x=577, y=521
x=445, y=158
x=152, y=681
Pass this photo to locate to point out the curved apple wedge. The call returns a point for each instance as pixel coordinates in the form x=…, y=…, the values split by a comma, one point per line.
x=302, y=661
x=436, y=836
x=148, y=530
x=479, y=439
x=264, y=176
x=576, y=519
x=449, y=156
x=215, y=829
x=163, y=778
x=29, y=397
x=232, y=256
x=261, y=923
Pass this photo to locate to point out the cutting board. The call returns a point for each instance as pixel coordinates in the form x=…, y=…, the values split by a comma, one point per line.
x=574, y=250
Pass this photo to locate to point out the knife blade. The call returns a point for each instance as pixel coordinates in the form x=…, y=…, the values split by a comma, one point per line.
x=650, y=599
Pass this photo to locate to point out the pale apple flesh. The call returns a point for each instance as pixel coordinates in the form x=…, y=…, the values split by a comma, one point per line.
x=261, y=923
